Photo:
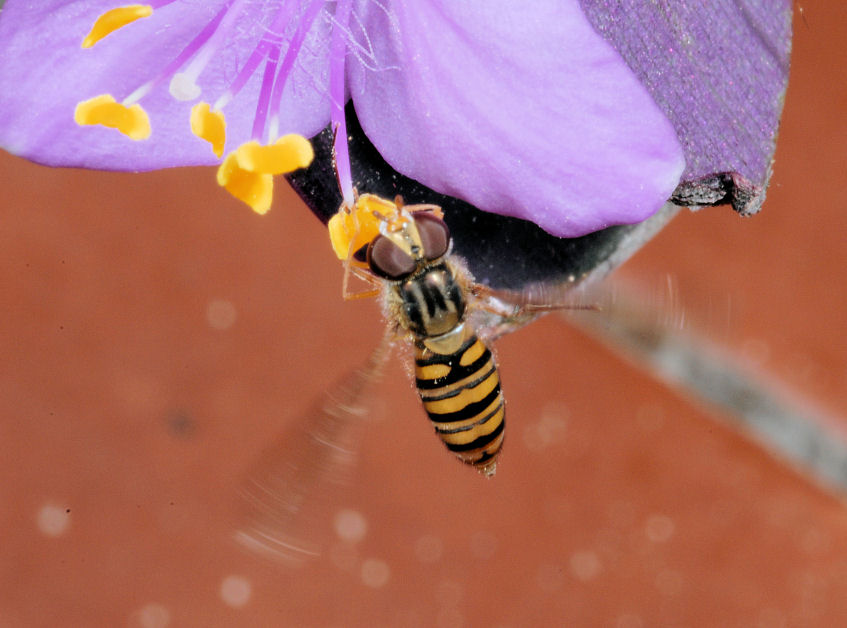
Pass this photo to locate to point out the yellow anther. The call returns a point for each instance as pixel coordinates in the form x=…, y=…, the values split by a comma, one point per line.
x=210, y=126
x=247, y=173
x=131, y=121
x=111, y=21
x=253, y=188
x=287, y=154
x=359, y=225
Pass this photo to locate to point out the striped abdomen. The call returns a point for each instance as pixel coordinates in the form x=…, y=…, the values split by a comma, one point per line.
x=461, y=394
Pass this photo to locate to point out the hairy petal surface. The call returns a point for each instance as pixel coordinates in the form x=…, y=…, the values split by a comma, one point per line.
x=45, y=73
x=520, y=109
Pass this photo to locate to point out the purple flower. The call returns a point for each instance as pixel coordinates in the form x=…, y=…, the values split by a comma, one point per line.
x=520, y=109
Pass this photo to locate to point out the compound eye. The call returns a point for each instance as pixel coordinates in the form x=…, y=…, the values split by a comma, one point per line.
x=435, y=235
x=388, y=261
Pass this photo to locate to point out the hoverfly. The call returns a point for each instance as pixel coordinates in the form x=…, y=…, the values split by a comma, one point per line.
x=428, y=296
x=404, y=253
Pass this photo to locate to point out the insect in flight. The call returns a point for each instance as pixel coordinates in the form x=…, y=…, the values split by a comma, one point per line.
x=427, y=296
x=404, y=253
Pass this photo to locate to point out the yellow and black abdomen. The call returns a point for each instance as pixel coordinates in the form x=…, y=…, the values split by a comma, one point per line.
x=461, y=394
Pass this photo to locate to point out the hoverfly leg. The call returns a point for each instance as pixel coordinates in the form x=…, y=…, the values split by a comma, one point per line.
x=535, y=300
x=351, y=269
x=363, y=294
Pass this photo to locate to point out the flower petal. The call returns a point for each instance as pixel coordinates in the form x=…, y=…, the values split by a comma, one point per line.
x=719, y=71
x=521, y=109
x=51, y=73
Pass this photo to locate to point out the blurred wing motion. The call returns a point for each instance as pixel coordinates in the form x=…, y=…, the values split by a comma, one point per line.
x=655, y=305
x=288, y=493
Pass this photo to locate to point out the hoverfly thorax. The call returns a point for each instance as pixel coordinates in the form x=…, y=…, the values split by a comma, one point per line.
x=410, y=252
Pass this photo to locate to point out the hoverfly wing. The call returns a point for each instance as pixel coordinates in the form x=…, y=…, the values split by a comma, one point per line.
x=286, y=494
x=503, y=311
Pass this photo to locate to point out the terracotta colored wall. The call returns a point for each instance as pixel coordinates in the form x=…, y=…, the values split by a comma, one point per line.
x=156, y=338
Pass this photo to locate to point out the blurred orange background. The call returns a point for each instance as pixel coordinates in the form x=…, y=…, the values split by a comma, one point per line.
x=157, y=337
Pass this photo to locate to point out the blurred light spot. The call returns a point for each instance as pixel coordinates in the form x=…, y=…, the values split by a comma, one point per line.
x=629, y=621
x=450, y=618
x=650, y=417
x=755, y=350
x=236, y=591
x=669, y=582
x=550, y=577
x=585, y=565
x=375, y=573
x=549, y=429
x=659, y=528
x=350, y=525
x=429, y=548
x=153, y=615
x=483, y=544
x=53, y=520
x=220, y=314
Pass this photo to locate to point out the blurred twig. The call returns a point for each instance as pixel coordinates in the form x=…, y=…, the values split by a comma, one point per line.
x=791, y=427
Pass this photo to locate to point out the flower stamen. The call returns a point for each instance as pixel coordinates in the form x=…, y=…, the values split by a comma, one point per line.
x=356, y=225
x=337, y=53
x=112, y=20
x=265, y=91
x=187, y=53
x=253, y=188
x=131, y=121
x=183, y=85
x=288, y=153
x=294, y=46
x=282, y=18
x=247, y=173
x=210, y=126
